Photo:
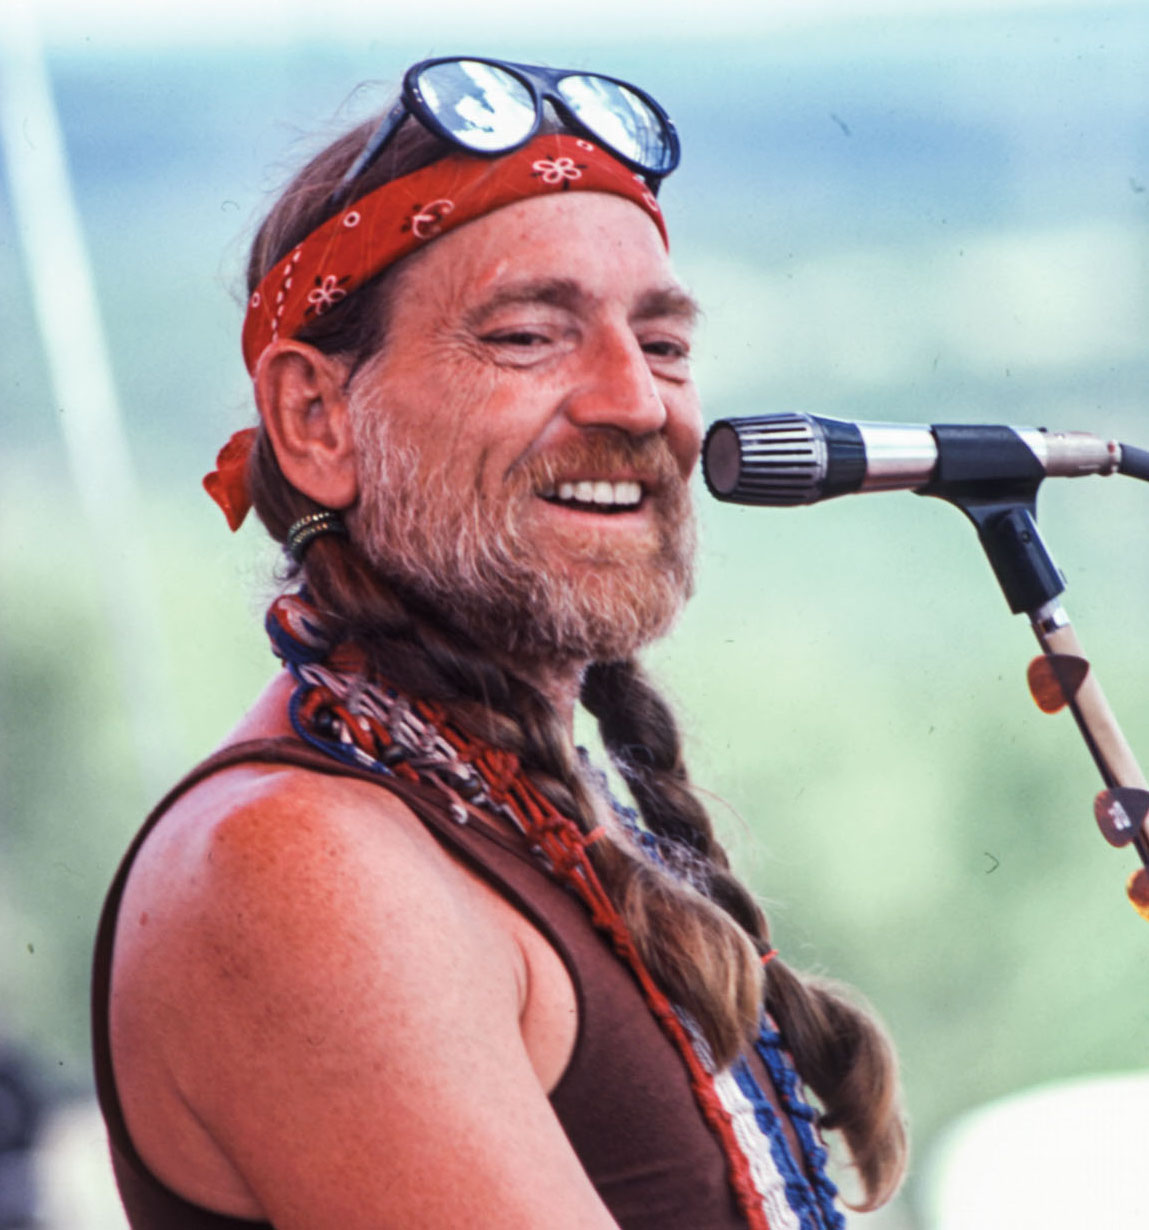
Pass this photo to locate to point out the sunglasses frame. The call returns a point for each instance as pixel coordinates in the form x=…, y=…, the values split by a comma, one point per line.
x=542, y=85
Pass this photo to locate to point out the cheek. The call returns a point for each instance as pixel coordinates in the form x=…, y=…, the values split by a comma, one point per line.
x=483, y=424
x=684, y=426
x=479, y=412
x=445, y=401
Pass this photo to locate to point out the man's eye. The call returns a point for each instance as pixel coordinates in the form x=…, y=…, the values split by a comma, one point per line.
x=667, y=349
x=517, y=337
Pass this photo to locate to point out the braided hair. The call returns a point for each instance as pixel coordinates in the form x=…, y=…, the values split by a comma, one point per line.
x=698, y=929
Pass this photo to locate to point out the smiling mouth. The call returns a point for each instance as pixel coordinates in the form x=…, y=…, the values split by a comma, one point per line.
x=596, y=495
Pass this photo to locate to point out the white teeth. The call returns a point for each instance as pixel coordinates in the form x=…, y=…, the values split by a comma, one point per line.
x=628, y=493
x=625, y=494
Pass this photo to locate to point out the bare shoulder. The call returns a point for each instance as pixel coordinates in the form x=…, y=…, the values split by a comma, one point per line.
x=266, y=894
x=306, y=984
x=260, y=856
x=255, y=828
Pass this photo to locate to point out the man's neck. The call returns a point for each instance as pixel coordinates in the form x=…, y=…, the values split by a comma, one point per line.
x=560, y=681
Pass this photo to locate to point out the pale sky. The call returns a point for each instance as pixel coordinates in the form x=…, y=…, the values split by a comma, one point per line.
x=271, y=22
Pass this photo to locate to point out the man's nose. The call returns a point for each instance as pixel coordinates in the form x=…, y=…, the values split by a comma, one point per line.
x=616, y=387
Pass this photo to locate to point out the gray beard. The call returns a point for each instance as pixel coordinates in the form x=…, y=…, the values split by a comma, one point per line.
x=473, y=560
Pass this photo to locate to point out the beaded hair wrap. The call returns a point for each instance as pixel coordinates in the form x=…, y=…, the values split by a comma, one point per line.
x=307, y=529
x=370, y=234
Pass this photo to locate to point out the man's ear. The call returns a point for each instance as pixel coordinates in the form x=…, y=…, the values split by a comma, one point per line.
x=300, y=394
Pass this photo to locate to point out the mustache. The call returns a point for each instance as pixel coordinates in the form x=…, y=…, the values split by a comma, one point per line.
x=647, y=459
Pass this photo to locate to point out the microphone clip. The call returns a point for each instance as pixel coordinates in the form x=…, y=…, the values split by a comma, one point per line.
x=993, y=477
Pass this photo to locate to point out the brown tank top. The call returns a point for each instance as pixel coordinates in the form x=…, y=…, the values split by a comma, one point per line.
x=624, y=1100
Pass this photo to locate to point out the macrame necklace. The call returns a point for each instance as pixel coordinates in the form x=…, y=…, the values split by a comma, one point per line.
x=365, y=722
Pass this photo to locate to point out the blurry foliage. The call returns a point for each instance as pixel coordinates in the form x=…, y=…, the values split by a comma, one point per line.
x=850, y=681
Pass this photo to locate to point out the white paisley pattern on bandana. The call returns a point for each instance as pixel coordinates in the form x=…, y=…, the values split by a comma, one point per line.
x=326, y=294
x=556, y=170
x=427, y=221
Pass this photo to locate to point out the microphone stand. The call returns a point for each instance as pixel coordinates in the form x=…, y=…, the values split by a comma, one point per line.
x=1003, y=510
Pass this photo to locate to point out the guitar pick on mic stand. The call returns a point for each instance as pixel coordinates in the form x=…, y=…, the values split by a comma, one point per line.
x=992, y=474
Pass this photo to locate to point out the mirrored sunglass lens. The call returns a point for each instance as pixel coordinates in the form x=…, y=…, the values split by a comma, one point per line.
x=481, y=106
x=620, y=118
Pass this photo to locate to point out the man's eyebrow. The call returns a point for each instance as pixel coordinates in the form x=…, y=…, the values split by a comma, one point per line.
x=667, y=301
x=565, y=293
x=553, y=292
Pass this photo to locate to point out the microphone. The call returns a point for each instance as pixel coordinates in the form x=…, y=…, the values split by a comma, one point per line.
x=784, y=459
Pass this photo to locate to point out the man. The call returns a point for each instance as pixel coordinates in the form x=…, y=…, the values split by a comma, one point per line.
x=393, y=957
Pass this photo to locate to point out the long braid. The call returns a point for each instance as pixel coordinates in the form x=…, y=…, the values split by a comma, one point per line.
x=703, y=963
x=640, y=734
x=839, y=1049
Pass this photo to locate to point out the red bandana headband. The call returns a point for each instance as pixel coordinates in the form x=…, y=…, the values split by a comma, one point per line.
x=391, y=222
x=382, y=227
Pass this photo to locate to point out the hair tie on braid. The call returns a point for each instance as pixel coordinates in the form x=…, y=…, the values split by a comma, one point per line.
x=307, y=529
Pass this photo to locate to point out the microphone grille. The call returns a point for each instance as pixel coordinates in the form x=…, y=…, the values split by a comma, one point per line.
x=768, y=459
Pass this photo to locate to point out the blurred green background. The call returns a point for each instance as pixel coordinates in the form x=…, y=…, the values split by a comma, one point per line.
x=914, y=213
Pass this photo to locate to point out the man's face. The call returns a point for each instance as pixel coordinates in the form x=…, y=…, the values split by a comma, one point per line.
x=526, y=432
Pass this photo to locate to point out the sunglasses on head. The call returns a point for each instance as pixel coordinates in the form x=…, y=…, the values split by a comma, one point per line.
x=494, y=106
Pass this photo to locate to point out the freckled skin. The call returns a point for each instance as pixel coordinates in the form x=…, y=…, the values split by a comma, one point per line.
x=321, y=1018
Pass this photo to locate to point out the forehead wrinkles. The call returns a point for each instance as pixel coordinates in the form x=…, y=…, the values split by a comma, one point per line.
x=555, y=236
